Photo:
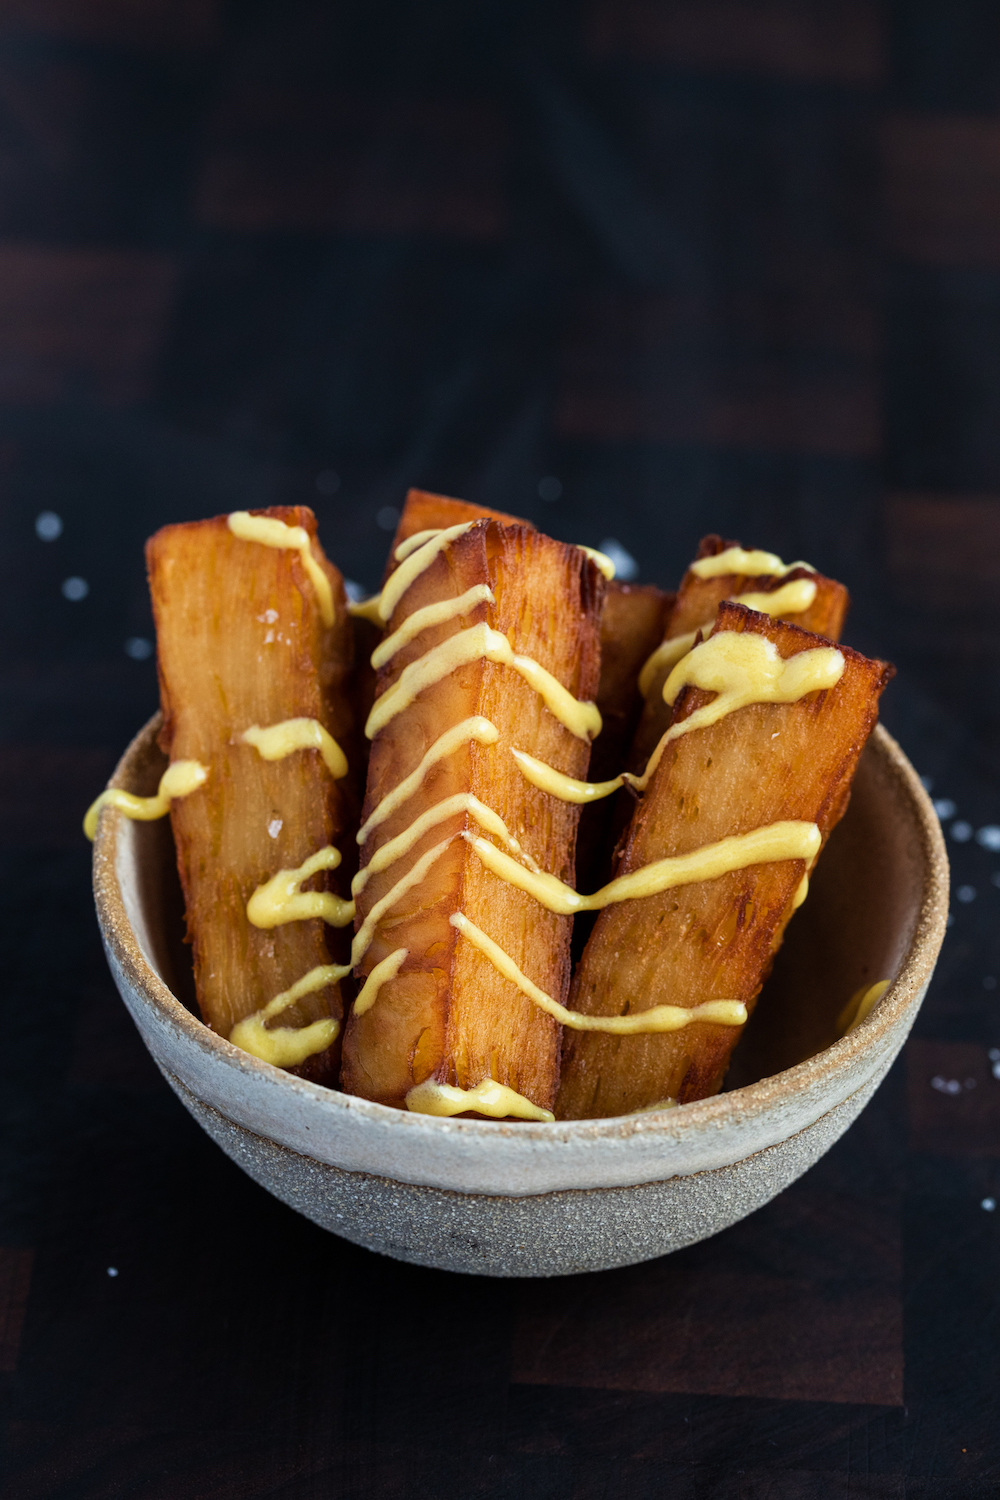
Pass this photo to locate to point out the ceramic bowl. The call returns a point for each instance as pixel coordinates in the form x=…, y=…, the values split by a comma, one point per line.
x=505, y=1199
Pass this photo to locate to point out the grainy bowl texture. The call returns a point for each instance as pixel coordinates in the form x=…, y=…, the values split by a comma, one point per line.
x=524, y=1199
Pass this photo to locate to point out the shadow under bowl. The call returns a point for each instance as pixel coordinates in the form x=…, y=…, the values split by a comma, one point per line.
x=523, y=1199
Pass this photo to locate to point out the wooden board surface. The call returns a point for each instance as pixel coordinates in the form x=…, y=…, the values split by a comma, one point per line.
x=634, y=272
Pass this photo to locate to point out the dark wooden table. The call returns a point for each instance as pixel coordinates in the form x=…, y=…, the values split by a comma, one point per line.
x=638, y=269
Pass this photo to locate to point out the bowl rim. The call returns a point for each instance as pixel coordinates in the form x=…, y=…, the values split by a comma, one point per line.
x=751, y=1102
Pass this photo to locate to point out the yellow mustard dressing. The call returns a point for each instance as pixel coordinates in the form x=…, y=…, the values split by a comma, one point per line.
x=451, y=807
x=475, y=729
x=752, y=564
x=417, y=873
x=418, y=553
x=860, y=1005
x=478, y=643
x=367, y=609
x=279, y=740
x=178, y=780
x=429, y=616
x=283, y=1046
x=601, y=560
x=269, y=532
x=742, y=668
x=487, y=1098
x=286, y=1046
x=791, y=599
x=380, y=975
x=412, y=543
x=659, y=1018
x=667, y=654
x=281, y=899
x=767, y=845
x=558, y=784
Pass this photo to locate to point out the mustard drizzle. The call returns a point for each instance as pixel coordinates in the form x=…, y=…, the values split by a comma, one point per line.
x=418, y=552
x=428, y=544
x=269, y=532
x=428, y=617
x=476, y=728
x=753, y=564
x=380, y=975
x=451, y=807
x=411, y=543
x=741, y=668
x=558, y=784
x=477, y=643
x=179, y=780
x=772, y=843
x=601, y=560
x=281, y=899
x=666, y=656
x=860, y=1005
x=248, y=1032
x=286, y=1046
x=659, y=1018
x=487, y=1098
x=279, y=740
x=790, y=599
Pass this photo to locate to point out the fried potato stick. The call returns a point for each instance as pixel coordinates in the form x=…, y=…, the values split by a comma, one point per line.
x=715, y=939
x=245, y=640
x=633, y=622
x=446, y=1014
x=804, y=597
x=424, y=511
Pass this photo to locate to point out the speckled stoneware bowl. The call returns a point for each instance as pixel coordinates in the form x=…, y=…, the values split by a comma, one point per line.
x=547, y=1200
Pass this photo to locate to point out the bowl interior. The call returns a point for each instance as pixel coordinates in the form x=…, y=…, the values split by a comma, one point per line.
x=868, y=897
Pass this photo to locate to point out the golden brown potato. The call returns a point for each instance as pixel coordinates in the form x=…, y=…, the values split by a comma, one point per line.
x=695, y=607
x=761, y=764
x=241, y=641
x=424, y=511
x=633, y=623
x=632, y=626
x=421, y=512
x=448, y=1014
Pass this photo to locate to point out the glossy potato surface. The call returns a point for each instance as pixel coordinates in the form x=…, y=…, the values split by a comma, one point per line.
x=424, y=511
x=240, y=641
x=712, y=940
x=449, y=1014
x=695, y=606
x=632, y=625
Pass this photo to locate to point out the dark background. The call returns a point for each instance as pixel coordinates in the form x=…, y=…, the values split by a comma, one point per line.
x=683, y=265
